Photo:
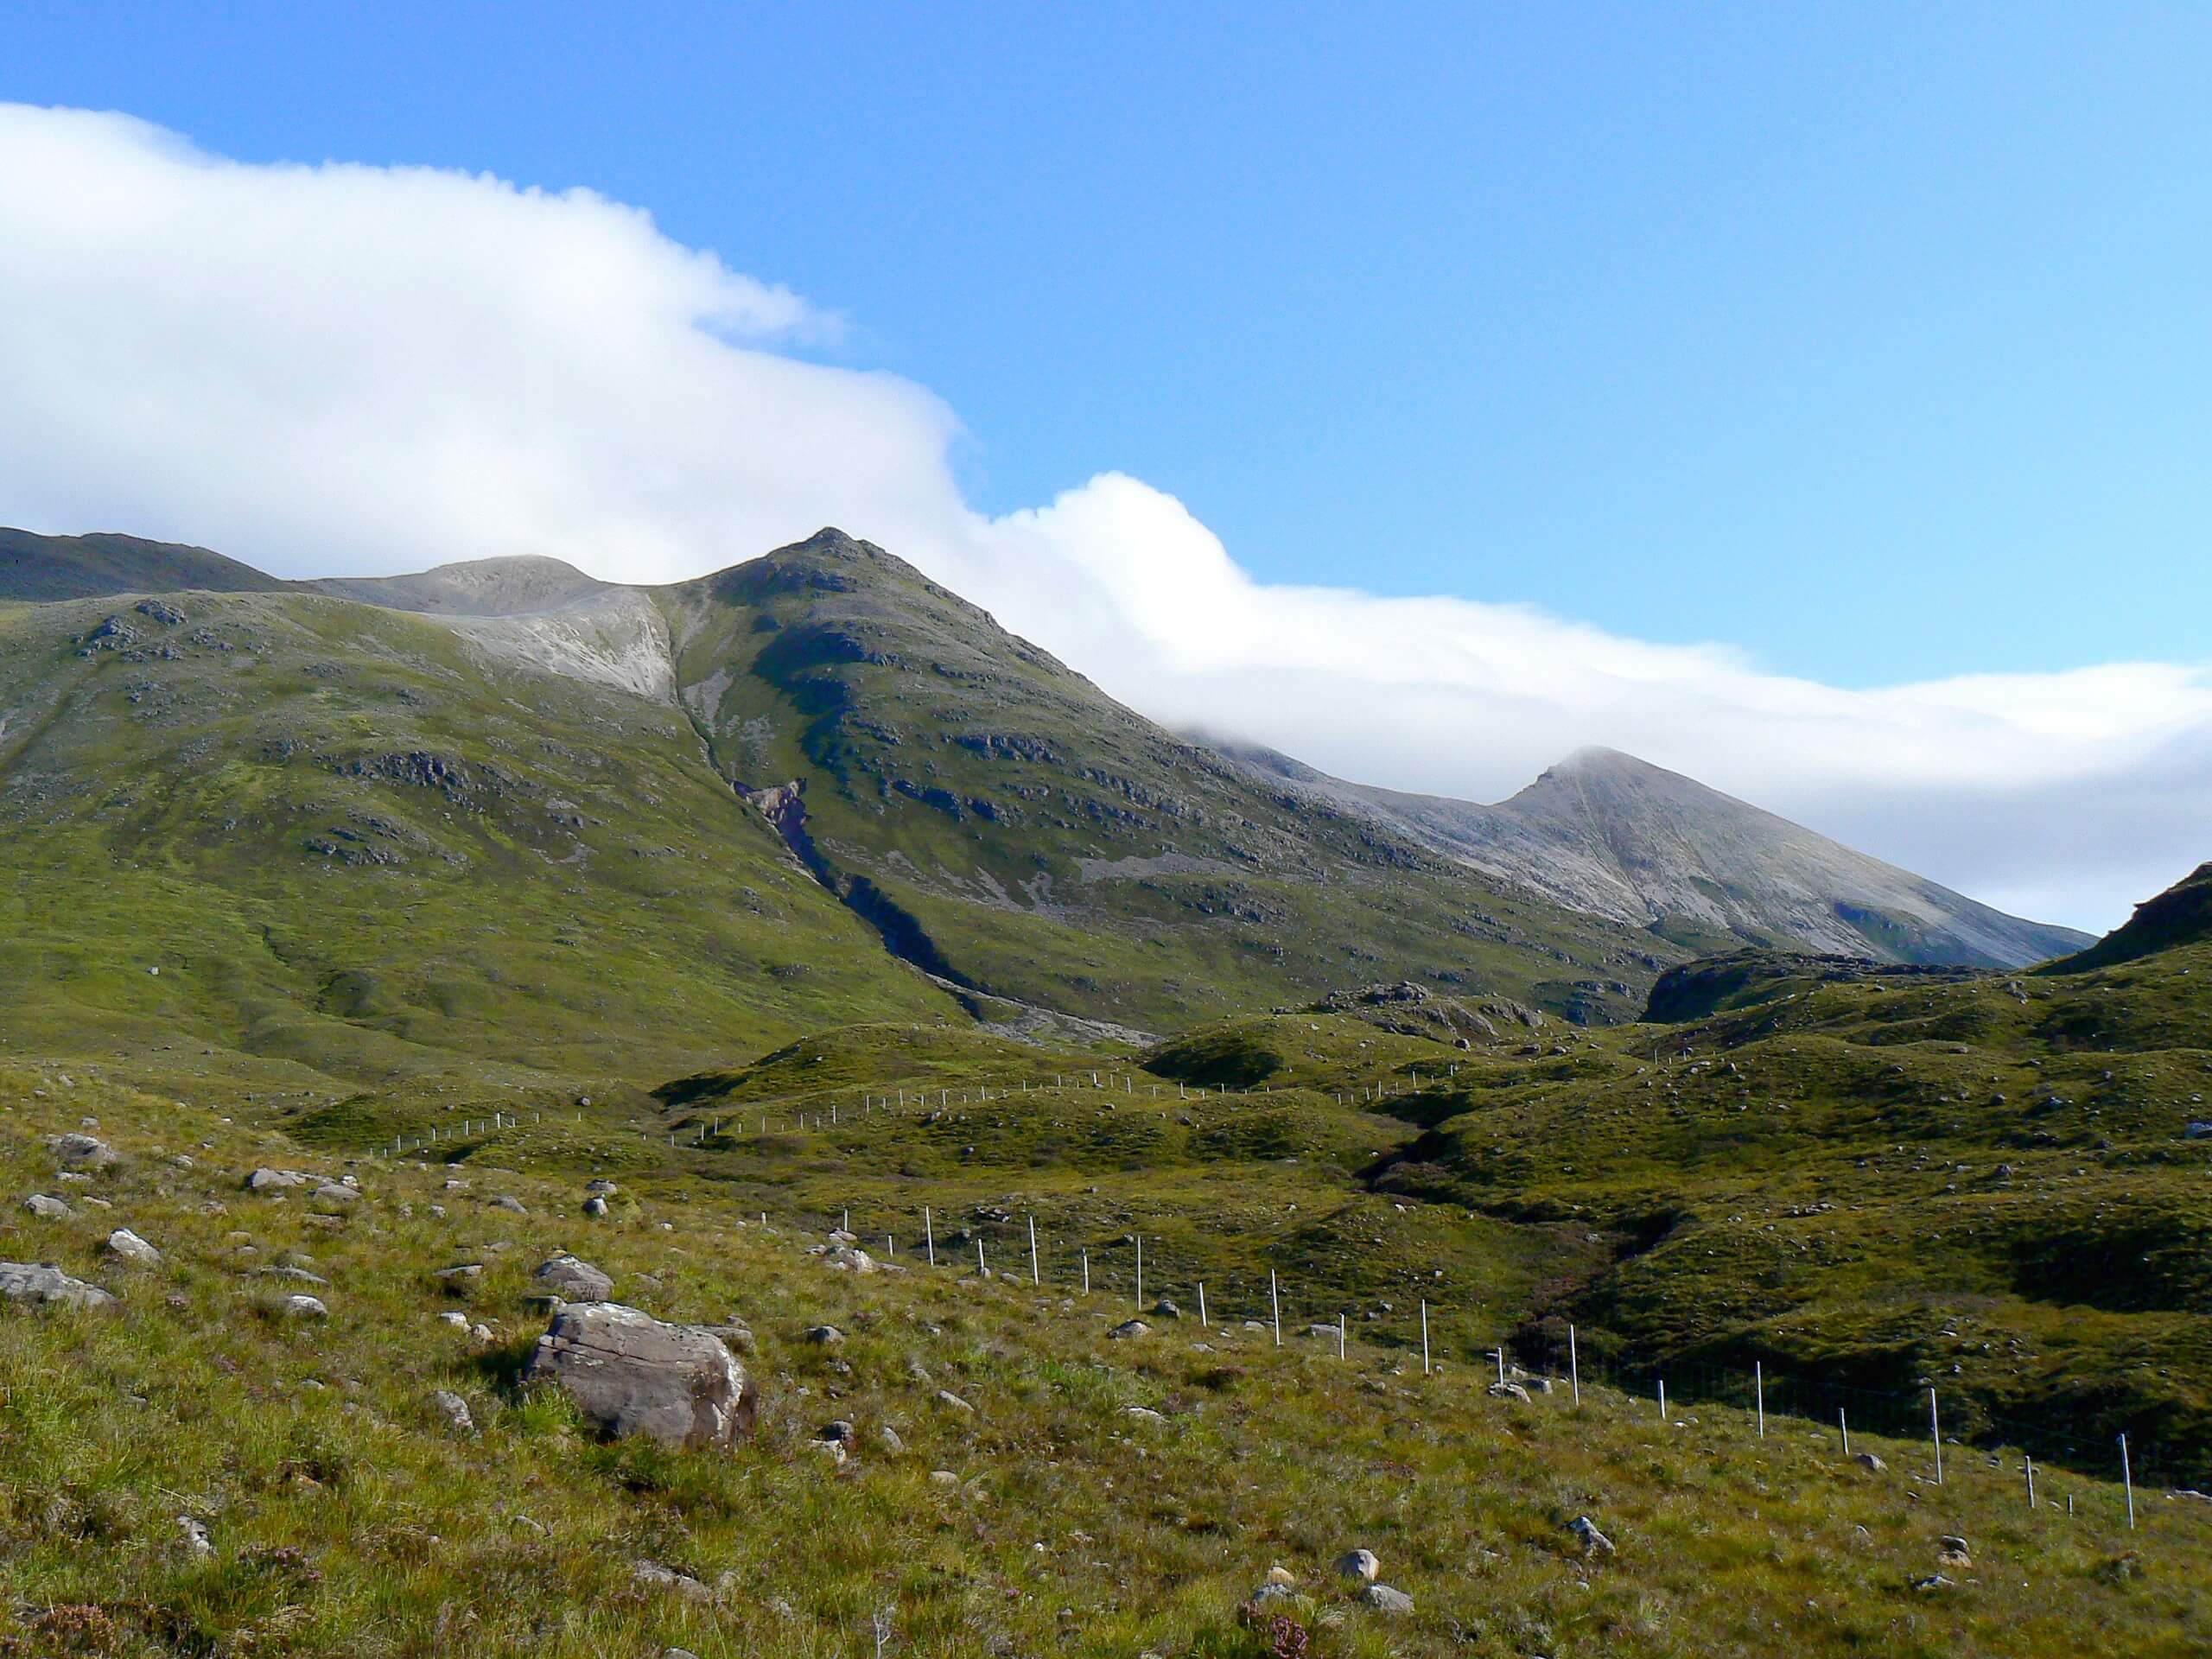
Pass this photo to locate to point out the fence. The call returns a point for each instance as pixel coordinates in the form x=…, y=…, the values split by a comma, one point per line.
x=1001, y=1243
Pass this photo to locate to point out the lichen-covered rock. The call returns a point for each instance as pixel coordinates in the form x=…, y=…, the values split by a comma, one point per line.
x=22, y=1283
x=578, y=1281
x=630, y=1373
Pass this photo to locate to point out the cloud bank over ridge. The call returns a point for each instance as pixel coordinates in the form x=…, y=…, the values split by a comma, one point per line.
x=362, y=370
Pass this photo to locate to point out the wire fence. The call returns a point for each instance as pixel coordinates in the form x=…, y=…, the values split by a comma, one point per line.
x=990, y=1240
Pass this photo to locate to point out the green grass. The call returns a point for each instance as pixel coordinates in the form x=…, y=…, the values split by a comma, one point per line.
x=346, y=1520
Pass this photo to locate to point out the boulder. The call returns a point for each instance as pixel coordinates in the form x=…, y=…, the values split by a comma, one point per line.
x=303, y=1306
x=21, y=1282
x=595, y=1206
x=1868, y=1460
x=1129, y=1328
x=630, y=1373
x=1383, y=1599
x=332, y=1192
x=128, y=1247
x=47, y=1209
x=272, y=1180
x=454, y=1411
x=78, y=1151
x=576, y=1281
x=1507, y=1391
x=1359, y=1564
x=824, y=1336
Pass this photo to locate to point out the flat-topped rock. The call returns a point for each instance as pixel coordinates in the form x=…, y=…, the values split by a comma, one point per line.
x=19, y=1281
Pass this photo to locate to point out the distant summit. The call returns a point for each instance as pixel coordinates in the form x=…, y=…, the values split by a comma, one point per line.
x=41, y=569
x=1605, y=833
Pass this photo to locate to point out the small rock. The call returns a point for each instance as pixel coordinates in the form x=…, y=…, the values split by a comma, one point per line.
x=1868, y=1460
x=834, y=1450
x=840, y=1431
x=943, y=1478
x=1507, y=1391
x=271, y=1180
x=197, y=1543
x=1129, y=1328
x=577, y=1280
x=453, y=1317
x=1594, y=1543
x=952, y=1401
x=1359, y=1564
x=887, y=1437
x=1164, y=1309
x=1142, y=1414
x=509, y=1202
x=595, y=1206
x=654, y=1576
x=130, y=1247
x=78, y=1151
x=47, y=1209
x=454, y=1410
x=824, y=1336
x=1933, y=1581
x=302, y=1307
x=1384, y=1599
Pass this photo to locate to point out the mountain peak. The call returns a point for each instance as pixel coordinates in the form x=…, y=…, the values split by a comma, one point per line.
x=2181, y=915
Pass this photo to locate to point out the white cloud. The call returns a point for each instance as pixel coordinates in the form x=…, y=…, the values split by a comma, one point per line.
x=346, y=368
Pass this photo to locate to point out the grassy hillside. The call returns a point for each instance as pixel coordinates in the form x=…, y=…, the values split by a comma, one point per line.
x=1009, y=825
x=332, y=845
x=1083, y=1495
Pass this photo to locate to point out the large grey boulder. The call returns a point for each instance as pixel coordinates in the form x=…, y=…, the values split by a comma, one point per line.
x=47, y=1209
x=630, y=1373
x=21, y=1282
x=576, y=1281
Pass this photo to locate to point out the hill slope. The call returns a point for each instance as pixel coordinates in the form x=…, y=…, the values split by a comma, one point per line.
x=1608, y=834
x=2181, y=915
x=1008, y=826
x=37, y=568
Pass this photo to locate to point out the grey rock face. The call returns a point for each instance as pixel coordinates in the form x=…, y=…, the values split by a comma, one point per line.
x=630, y=1373
x=576, y=1279
x=21, y=1282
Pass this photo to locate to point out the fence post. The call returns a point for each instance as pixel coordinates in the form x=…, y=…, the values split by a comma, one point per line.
x=1573, y=1365
x=1086, y=1272
x=929, y=1236
x=1500, y=1352
x=1843, y=1422
x=1202, y=1304
x=1936, y=1434
x=1662, y=1399
x=980, y=1269
x=1034, y=1277
x=1424, y=1336
x=1340, y=1333
x=2031, y=1483
x=1758, y=1387
x=2128, y=1480
x=1274, y=1301
x=1139, y=1272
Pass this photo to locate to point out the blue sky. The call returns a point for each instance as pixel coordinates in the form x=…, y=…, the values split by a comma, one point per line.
x=1872, y=340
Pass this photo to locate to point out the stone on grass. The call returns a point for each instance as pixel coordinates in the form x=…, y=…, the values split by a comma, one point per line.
x=47, y=1209
x=333, y=1193
x=77, y=1151
x=127, y=1245
x=302, y=1307
x=1129, y=1328
x=1594, y=1543
x=943, y=1478
x=952, y=1401
x=594, y=1206
x=1868, y=1460
x=630, y=1373
x=21, y=1282
x=272, y=1180
x=1383, y=1599
x=653, y=1575
x=1142, y=1414
x=454, y=1410
x=1507, y=1391
x=887, y=1437
x=452, y=1316
x=1358, y=1564
x=824, y=1336
x=194, y=1535
x=577, y=1280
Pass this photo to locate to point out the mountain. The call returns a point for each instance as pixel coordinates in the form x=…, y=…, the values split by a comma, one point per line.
x=2181, y=915
x=1610, y=836
x=40, y=569
x=502, y=815
x=1008, y=827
